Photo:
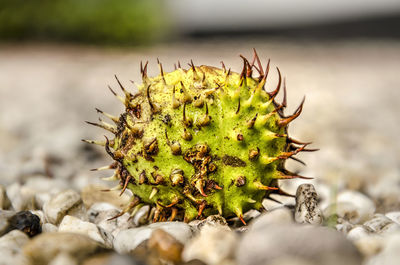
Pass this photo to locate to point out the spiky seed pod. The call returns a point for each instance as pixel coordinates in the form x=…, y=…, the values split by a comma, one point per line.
x=201, y=141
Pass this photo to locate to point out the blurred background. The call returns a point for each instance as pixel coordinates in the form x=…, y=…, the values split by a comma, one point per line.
x=58, y=56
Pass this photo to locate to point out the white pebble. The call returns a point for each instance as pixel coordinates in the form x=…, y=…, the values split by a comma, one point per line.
x=212, y=245
x=75, y=225
x=278, y=216
x=60, y=205
x=306, y=209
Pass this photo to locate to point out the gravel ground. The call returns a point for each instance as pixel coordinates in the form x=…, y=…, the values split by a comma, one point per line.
x=352, y=92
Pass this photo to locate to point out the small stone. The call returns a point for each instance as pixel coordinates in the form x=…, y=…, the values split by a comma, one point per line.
x=101, y=213
x=4, y=223
x=48, y=228
x=369, y=245
x=26, y=222
x=213, y=220
x=17, y=200
x=270, y=205
x=317, y=245
x=45, y=247
x=390, y=253
x=278, y=216
x=381, y=224
x=64, y=203
x=352, y=206
x=94, y=193
x=213, y=245
x=394, y=216
x=10, y=248
x=63, y=259
x=4, y=201
x=127, y=240
x=306, y=209
x=342, y=225
x=75, y=225
x=358, y=232
x=140, y=217
x=166, y=246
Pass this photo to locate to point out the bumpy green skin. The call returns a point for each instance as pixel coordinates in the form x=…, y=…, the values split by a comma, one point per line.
x=198, y=142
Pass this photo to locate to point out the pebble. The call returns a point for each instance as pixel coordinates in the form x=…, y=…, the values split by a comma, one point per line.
x=127, y=240
x=278, y=216
x=47, y=228
x=95, y=193
x=212, y=245
x=10, y=248
x=100, y=213
x=390, y=254
x=167, y=247
x=63, y=259
x=75, y=225
x=319, y=245
x=17, y=200
x=4, y=201
x=394, y=216
x=4, y=217
x=212, y=220
x=358, y=232
x=306, y=209
x=369, y=245
x=26, y=222
x=381, y=224
x=67, y=202
x=353, y=206
x=45, y=247
x=140, y=217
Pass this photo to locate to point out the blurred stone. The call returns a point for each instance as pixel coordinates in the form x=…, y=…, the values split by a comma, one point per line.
x=45, y=247
x=67, y=202
x=4, y=223
x=11, y=246
x=101, y=213
x=394, y=216
x=94, y=193
x=358, y=232
x=390, y=254
x=140, y=217
x=306, y=209
x=352, y=206
x=369, y=245
x=75, y=225
x=381, y=224
x=48, y=228
x=319, y=245
x=26, y=222
x=212, y=245
x=167, y=247
x=127, y=240
x=213, y=220
x=63, y=259
x=4, y=201
x=278, y=216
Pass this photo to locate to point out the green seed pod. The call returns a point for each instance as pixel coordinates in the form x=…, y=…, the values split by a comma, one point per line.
x=202, y=141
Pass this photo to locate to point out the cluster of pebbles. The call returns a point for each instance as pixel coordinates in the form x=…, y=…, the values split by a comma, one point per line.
x=47, y=221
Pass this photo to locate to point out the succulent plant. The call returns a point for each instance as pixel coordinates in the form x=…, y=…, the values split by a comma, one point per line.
x=201, y=141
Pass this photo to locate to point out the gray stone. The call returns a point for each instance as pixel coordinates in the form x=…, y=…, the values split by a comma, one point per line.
x=46, y=246
x=63, y=259
x=390, y=254
x=358, y=232
x=381, y=224
x=127, y=240
x=306, y=209
x=11, y=245
x=212, y=245
x=48, y=228
x=213, y=220
x=278, y=216
x=75, y=225
x=352, y=206
x=67, y=202
x=394, y=216
x=101, y=213
x=320, y=245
